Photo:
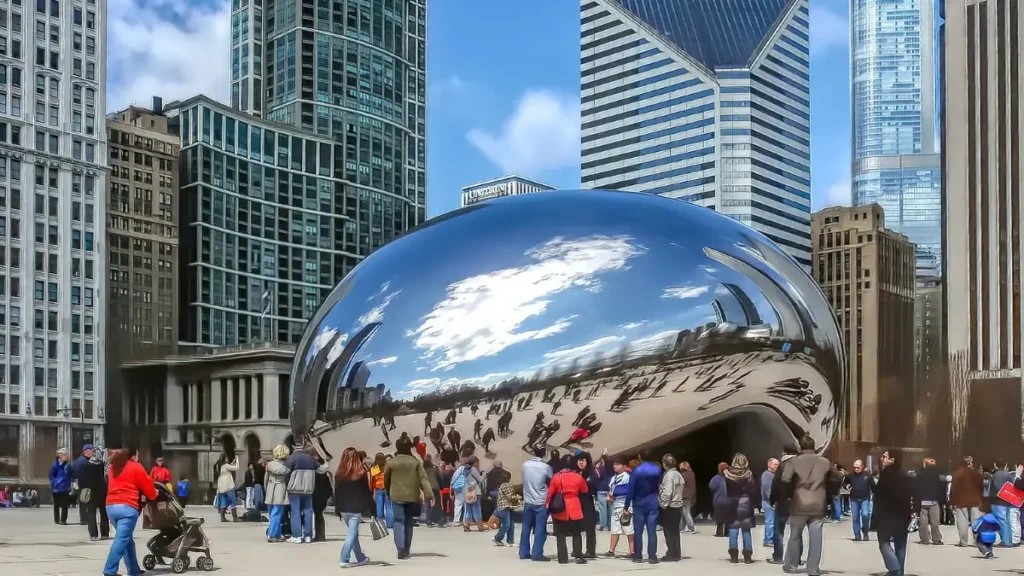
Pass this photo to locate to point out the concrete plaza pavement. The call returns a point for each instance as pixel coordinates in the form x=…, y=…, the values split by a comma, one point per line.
x=31, y=545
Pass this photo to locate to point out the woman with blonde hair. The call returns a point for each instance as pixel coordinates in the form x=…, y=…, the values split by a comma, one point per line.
x=351, y=496
x=277, y=492
x=741, y=492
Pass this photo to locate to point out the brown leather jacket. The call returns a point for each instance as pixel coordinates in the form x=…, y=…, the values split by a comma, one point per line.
x=967, y=487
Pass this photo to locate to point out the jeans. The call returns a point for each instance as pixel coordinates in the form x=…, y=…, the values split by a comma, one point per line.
x=227, y=500
x=687, y=522
x=604, y=510
x=61, y=502
x=769, y=522
x=257, y=497
x=894, y=553
x=124, y=518
x=474, y=515
x=460, y=504
x=301, y=515
x=535, y=523
x=384, y=507
x=351, y=539
x=837, y=508
x=965, y=517
x=815, y=527
x=405, y=517
x=1001, y=514
x=645, y=519
x=734, y=537
x=274, y=529
x=91, y=509
x=861, y=512
x=779, y=536
x=507, y=529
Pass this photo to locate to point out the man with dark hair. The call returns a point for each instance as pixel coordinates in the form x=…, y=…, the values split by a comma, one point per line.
x=406, y=483
x=779, y=499
x=965, y=496
x=536, y=476
x=644, y=483
x=808, y=478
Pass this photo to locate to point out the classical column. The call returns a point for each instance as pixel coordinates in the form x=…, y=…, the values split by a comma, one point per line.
x=231, y=398
x=216, y=400
x=270, y=396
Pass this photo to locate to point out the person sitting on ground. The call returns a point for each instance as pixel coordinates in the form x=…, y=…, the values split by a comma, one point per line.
x=5, y=497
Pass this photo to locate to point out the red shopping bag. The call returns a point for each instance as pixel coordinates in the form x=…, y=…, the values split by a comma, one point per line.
x=1011, y=495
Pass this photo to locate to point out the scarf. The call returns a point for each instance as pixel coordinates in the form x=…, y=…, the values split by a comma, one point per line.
x=737, y=474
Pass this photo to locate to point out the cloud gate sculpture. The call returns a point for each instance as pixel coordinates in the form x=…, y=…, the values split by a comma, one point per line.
x=576, y=320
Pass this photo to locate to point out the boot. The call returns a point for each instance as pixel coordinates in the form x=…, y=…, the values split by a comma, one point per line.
x=718, y=531
x=234, y=515
x=748, y=556
x=223, y=516
x=734, y=556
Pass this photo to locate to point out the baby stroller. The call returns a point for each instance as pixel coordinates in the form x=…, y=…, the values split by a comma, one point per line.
x=177, y=535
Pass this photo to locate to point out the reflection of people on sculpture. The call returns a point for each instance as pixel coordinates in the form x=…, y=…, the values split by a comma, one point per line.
x=619, y=403
x=449, y=455
x=587, y=428
x=593, y=391
x=503, y=424
x=437, y=437
x=450, y=418
x=681, y=383
x=428, y=420
x=555, y=407
x=576, y=396
x=468, y=449
x=519, y=404
x=476, y=429
x=529, y=401
x=473, y=409
x=548, y=432
x=384, y=431
x=549, y=397
x=454, y=438
x=581, y=415
x=487, y=439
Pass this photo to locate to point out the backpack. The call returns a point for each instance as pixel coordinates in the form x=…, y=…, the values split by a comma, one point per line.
x=459, y=480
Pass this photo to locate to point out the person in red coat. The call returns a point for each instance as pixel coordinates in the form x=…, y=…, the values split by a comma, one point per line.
x=567, y=518
x=126, y=485
x=160, y=473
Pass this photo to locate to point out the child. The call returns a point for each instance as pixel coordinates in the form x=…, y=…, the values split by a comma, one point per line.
x=985, y=530
x=507, y=500
x=617, y=489
x=183, y=486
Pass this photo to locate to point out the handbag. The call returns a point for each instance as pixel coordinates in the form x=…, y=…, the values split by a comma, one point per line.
x=1011, y=495
x=557, y=503
x=378, y=529
x=625, y=518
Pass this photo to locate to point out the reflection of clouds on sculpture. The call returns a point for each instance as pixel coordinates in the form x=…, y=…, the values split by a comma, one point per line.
x=376, y=314
x=323, y=338
x=683, y=292
x=484, y=314
x=383, y=361
x=426, y=385
x=604, y=344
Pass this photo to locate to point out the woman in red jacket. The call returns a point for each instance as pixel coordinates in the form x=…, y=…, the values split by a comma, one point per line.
x=566, y=511
x=127, y=483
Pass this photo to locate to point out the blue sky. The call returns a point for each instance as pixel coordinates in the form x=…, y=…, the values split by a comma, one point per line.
x=503, y=83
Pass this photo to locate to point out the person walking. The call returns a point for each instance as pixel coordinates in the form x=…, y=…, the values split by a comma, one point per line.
x=860, y=483
x=352, y=495
x=719, y=502
x=741, y=492
x=642, y=496
x=77, y=472
x=127, y=484
x=537, y=475
x=227, y=500
x=766, y=506
x=965, y=497
x=301, y=484
x=670, y=503
x=93, y=496
x=60, y=487
x=563, y=502
x=380, y=495
x=507, y=499
x=930, y=493
x=893, y=508
x=780, y=499
x=808, y=479
x=689, y=496
x=277, y=493
x=406, y=483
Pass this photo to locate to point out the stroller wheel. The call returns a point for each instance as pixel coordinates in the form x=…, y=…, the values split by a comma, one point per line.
x=204, y=563
x=178, y=565
x=149, y=562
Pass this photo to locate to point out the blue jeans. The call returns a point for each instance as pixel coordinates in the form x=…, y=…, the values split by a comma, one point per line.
x=734, y=537
x=894, y=553
x=124, y=518
x=604, y=511
x=1001, y=512
x=779, y=536
x=769, y=522
x=384, y=508
x=405, y=515
x=474, y=515
x=351, y=539
x=837, y=508
x=301, y=515
x=257, y=497
x=274, y=529
x=861, y=512
x=535, y=522
x=227, y=500
x=644, y=518
x=507, y=528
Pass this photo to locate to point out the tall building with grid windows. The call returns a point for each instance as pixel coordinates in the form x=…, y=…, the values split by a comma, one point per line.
x=319, y=160
x=53, y=157
x=707, y=101
x=895, y=160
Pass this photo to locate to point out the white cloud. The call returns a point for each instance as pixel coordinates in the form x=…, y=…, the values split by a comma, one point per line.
x=385, y=361
x=579, y=352
x=684, y=291
x=483, y=315
x=376, y=314
x=542, y=134
x=653, y=342
x=828, y=29
x=838, y=194
x=632, y=325
x=425, y=385
x=169, y=48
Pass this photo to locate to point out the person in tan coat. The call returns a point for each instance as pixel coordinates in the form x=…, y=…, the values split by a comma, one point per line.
x=277, y=493
x=965, y=497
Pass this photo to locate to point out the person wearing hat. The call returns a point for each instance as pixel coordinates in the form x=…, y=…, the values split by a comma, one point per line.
x=60, y=487
x=77, y=476
x=93, y=495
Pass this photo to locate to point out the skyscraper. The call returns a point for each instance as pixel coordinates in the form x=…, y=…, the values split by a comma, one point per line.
x=53, y=157
x=511, y=185
x=982, y=135
x=895, y=161
x=320, y=160
x=707, y=101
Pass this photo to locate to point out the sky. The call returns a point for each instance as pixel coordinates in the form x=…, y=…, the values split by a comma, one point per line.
x=503, y=85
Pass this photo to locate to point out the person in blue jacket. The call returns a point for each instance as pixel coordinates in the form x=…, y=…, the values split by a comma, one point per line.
x=60, y=486
x=642, y=495
x=985, y=530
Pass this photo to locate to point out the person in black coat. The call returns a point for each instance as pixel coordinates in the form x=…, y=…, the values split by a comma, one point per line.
x=892, y=513
x=93, y=479
x=322, y=492
x=741, y=494
x=585, y=466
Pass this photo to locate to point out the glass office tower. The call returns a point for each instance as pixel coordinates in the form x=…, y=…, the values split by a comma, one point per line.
x=895, y=156
x=707, y=101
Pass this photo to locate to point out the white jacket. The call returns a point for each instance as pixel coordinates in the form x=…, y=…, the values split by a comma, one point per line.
x=226, y=480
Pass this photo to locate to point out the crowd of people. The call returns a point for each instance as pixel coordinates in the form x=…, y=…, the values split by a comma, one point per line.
x=635, y=496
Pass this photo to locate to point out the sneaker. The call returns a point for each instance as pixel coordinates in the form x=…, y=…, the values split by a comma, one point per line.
x=363, y=562
x=496, y=543
x=294, y=540
x=307, y=540
x=94, y=538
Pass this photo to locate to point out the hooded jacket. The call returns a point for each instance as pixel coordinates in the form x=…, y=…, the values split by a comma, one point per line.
x=60, y=476
x=304, y=468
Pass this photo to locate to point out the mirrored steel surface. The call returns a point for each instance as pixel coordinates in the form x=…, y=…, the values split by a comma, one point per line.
x=573, y=319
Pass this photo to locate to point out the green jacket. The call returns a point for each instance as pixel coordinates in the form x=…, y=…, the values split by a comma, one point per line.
x=404, y=478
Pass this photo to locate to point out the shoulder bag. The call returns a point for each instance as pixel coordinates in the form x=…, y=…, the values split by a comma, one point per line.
x=557, y=503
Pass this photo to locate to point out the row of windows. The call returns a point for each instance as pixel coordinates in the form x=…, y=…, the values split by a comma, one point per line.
x=696, y=139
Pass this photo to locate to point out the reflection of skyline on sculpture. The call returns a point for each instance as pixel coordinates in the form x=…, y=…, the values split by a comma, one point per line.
x=630, y=304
